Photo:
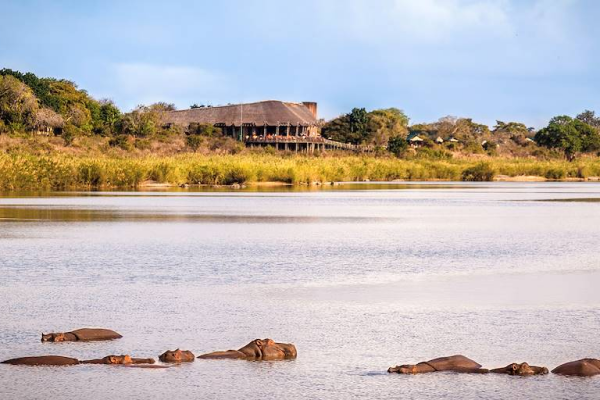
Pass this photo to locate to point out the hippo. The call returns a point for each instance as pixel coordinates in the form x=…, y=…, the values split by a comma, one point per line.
x=120, y=360
x=43, y=361
x=81, y=335
x=583, y=367
x=257, y=350
x=457, y=363
x=522, y=369
x=177, y=356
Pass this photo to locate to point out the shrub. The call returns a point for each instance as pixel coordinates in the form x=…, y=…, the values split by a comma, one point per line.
x=68, y=134
x=397, y=145
x=556, y=173
x=121, y=141
x=236, y=175
x=481, y=172
x=143, y=144
x=194, y=142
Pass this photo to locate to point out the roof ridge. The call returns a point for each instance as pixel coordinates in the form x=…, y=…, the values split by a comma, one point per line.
x=243, y=104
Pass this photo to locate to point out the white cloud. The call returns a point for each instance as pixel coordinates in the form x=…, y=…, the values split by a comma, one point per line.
x=433, y=19
x=139, y=83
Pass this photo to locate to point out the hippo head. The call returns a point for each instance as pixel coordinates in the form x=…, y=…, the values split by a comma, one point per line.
x=269, y=349
x=523, y=369
x=53, y=337
x=124, y=359
x=403, y=369
x=176, y=356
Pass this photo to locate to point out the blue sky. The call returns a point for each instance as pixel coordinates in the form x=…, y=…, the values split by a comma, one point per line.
x=524, y=60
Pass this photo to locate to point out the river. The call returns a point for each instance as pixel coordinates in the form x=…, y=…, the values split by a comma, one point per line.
x=358, y=277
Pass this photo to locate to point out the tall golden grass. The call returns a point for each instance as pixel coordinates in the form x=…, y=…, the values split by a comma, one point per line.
x=60, y=171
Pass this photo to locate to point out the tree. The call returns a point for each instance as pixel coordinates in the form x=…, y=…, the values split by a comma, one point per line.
x=572, y=136
x=109, y=116
x=338, y=129
x=18, y=104
x=362, y=127
x=385, y=124
x=589, y=117
x=207, y=130
x=397, y=145
x=358, y=123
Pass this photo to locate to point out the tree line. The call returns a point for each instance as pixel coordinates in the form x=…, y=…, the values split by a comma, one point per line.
x=47, y=105
x=390, y=129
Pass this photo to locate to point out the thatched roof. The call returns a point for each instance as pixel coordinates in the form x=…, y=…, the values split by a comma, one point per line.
x=46, y=117
x=269, y=112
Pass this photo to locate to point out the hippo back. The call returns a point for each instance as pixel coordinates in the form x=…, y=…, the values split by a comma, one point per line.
x=91, y=334
x=585, y=367
x=42, y=360
x=457, y=362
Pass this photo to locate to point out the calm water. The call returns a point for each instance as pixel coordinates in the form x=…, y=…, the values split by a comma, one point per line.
x=358, y=277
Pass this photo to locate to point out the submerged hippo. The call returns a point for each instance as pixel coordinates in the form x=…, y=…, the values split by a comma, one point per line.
x=43, y=360
x=456, y=363
x=522, y=369
x=177, y=356
x=81, y=335
x=259, y=349
x=584, y=367
x=120, y=360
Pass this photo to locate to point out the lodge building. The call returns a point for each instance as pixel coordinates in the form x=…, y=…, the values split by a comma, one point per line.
x=282, y=125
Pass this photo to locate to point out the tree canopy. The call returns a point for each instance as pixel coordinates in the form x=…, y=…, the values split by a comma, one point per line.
x=572, y=136
x=362, y=127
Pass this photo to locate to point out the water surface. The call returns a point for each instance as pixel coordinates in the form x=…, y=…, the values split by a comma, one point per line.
x=359, y=277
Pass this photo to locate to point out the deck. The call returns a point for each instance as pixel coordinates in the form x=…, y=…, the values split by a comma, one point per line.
x=306, y=144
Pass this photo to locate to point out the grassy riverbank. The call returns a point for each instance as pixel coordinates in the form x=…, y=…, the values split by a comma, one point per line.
x=59, y=171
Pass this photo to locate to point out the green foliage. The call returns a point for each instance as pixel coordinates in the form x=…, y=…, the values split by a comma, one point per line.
x=397, y=145
x=20, y=171
x=433, y=154
x=72, y=105
x=555, y=174
x=69, y=133
x=361, y=127
x=589, y=117
x=481, y=172
x=206, y=130
x=106, y=117
x=194, y=142
x=490, y=147
x=571, y=136
x=18, y=105
x=385, y=124
x=123, y=142
x=39, y=86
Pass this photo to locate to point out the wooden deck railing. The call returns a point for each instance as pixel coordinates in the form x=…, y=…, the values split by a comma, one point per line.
x=307, y=139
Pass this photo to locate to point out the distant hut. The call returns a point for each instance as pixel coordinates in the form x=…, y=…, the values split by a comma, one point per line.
x=453, y=140
x=416, y=141
x=48, y=122
x=439, y=140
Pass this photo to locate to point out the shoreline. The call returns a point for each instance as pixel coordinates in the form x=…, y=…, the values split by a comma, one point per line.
x=58, y=172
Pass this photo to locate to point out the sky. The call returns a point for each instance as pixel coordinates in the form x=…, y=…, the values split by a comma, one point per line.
x=509, y=60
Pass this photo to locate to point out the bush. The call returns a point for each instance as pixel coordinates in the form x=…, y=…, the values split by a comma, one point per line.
x=143, y=144
x=397, y=145
x=433, y=154
x=69, y=133
x=556, y=174
x=482, y=172
x=236, y=175
x=194, y=142
x=121, y=141
x=162, y=172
